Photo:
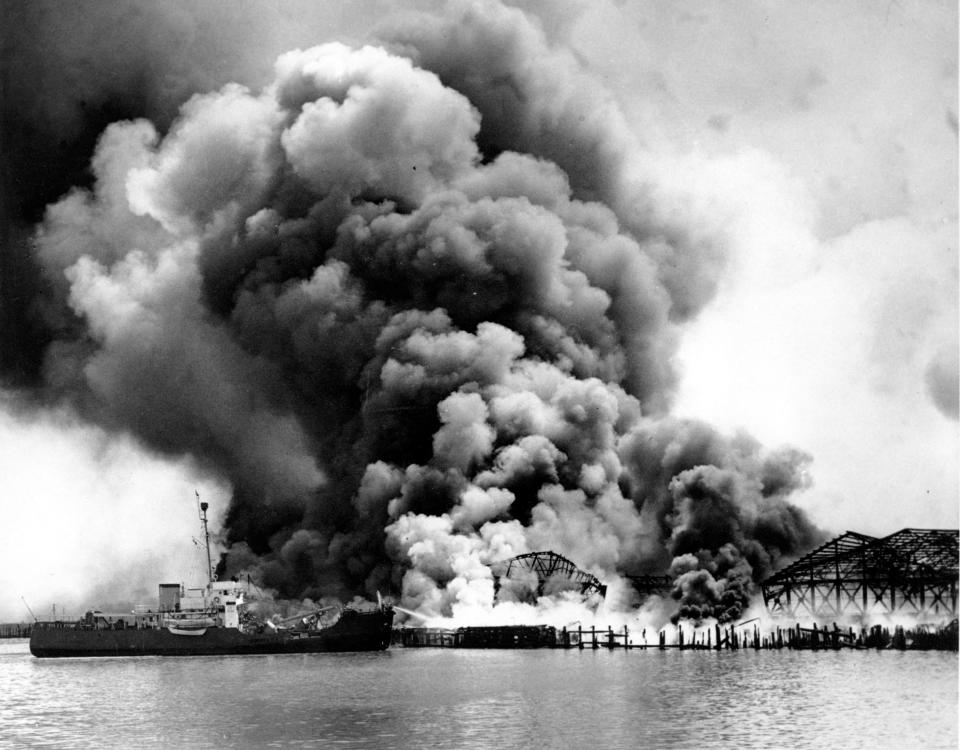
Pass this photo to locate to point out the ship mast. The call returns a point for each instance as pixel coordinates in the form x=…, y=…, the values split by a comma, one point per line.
x=206, y=538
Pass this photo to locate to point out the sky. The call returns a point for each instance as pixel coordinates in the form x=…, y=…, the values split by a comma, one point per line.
x=829, y=132
x=806, y=152
x=841, y=299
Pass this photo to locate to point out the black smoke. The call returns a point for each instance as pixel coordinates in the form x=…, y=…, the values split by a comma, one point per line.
x=407, y=298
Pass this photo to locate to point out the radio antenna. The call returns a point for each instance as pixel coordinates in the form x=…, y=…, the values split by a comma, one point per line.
x=206, y=536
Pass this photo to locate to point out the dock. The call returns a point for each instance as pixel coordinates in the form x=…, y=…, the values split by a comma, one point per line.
x=15, y=629
x=730, y=637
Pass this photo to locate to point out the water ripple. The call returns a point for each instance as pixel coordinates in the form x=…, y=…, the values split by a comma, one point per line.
x=432, y=698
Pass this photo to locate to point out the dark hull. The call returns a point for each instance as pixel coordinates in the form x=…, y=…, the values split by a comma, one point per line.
x=354, y=631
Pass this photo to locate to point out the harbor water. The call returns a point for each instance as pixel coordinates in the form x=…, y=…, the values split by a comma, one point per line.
x=446, y=698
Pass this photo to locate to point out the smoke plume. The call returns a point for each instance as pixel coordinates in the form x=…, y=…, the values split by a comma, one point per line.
x=407, y=300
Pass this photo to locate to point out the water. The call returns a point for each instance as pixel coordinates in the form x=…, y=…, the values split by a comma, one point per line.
x=432, y=698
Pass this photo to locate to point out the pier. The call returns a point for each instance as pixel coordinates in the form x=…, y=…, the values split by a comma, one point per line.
x=743, y=636
x=15, y=629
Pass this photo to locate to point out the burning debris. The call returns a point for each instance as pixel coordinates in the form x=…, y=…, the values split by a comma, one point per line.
x=410, y=302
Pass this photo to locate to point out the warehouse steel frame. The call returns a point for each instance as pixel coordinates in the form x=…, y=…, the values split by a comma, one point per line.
x=912, y=572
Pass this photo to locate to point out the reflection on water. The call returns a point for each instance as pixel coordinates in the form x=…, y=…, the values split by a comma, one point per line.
x=427, y=698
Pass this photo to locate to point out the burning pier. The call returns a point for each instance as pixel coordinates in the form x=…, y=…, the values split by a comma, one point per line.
x=911, y=574
x=745, y=635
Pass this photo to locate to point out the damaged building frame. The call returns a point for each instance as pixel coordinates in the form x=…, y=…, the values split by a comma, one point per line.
x=549, y=566
x=912, y=572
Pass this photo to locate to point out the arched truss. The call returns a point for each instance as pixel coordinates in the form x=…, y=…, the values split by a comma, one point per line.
x=547, y=566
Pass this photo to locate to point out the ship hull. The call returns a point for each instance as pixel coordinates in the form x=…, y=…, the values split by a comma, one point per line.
x=354, y=631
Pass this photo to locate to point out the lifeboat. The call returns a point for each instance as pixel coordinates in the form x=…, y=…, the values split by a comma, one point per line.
x=189, y=626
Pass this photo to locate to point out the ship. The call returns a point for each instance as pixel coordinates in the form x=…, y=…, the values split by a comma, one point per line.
x=213, y=620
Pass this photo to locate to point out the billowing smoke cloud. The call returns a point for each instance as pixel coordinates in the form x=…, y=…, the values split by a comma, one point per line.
x=405, y=300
